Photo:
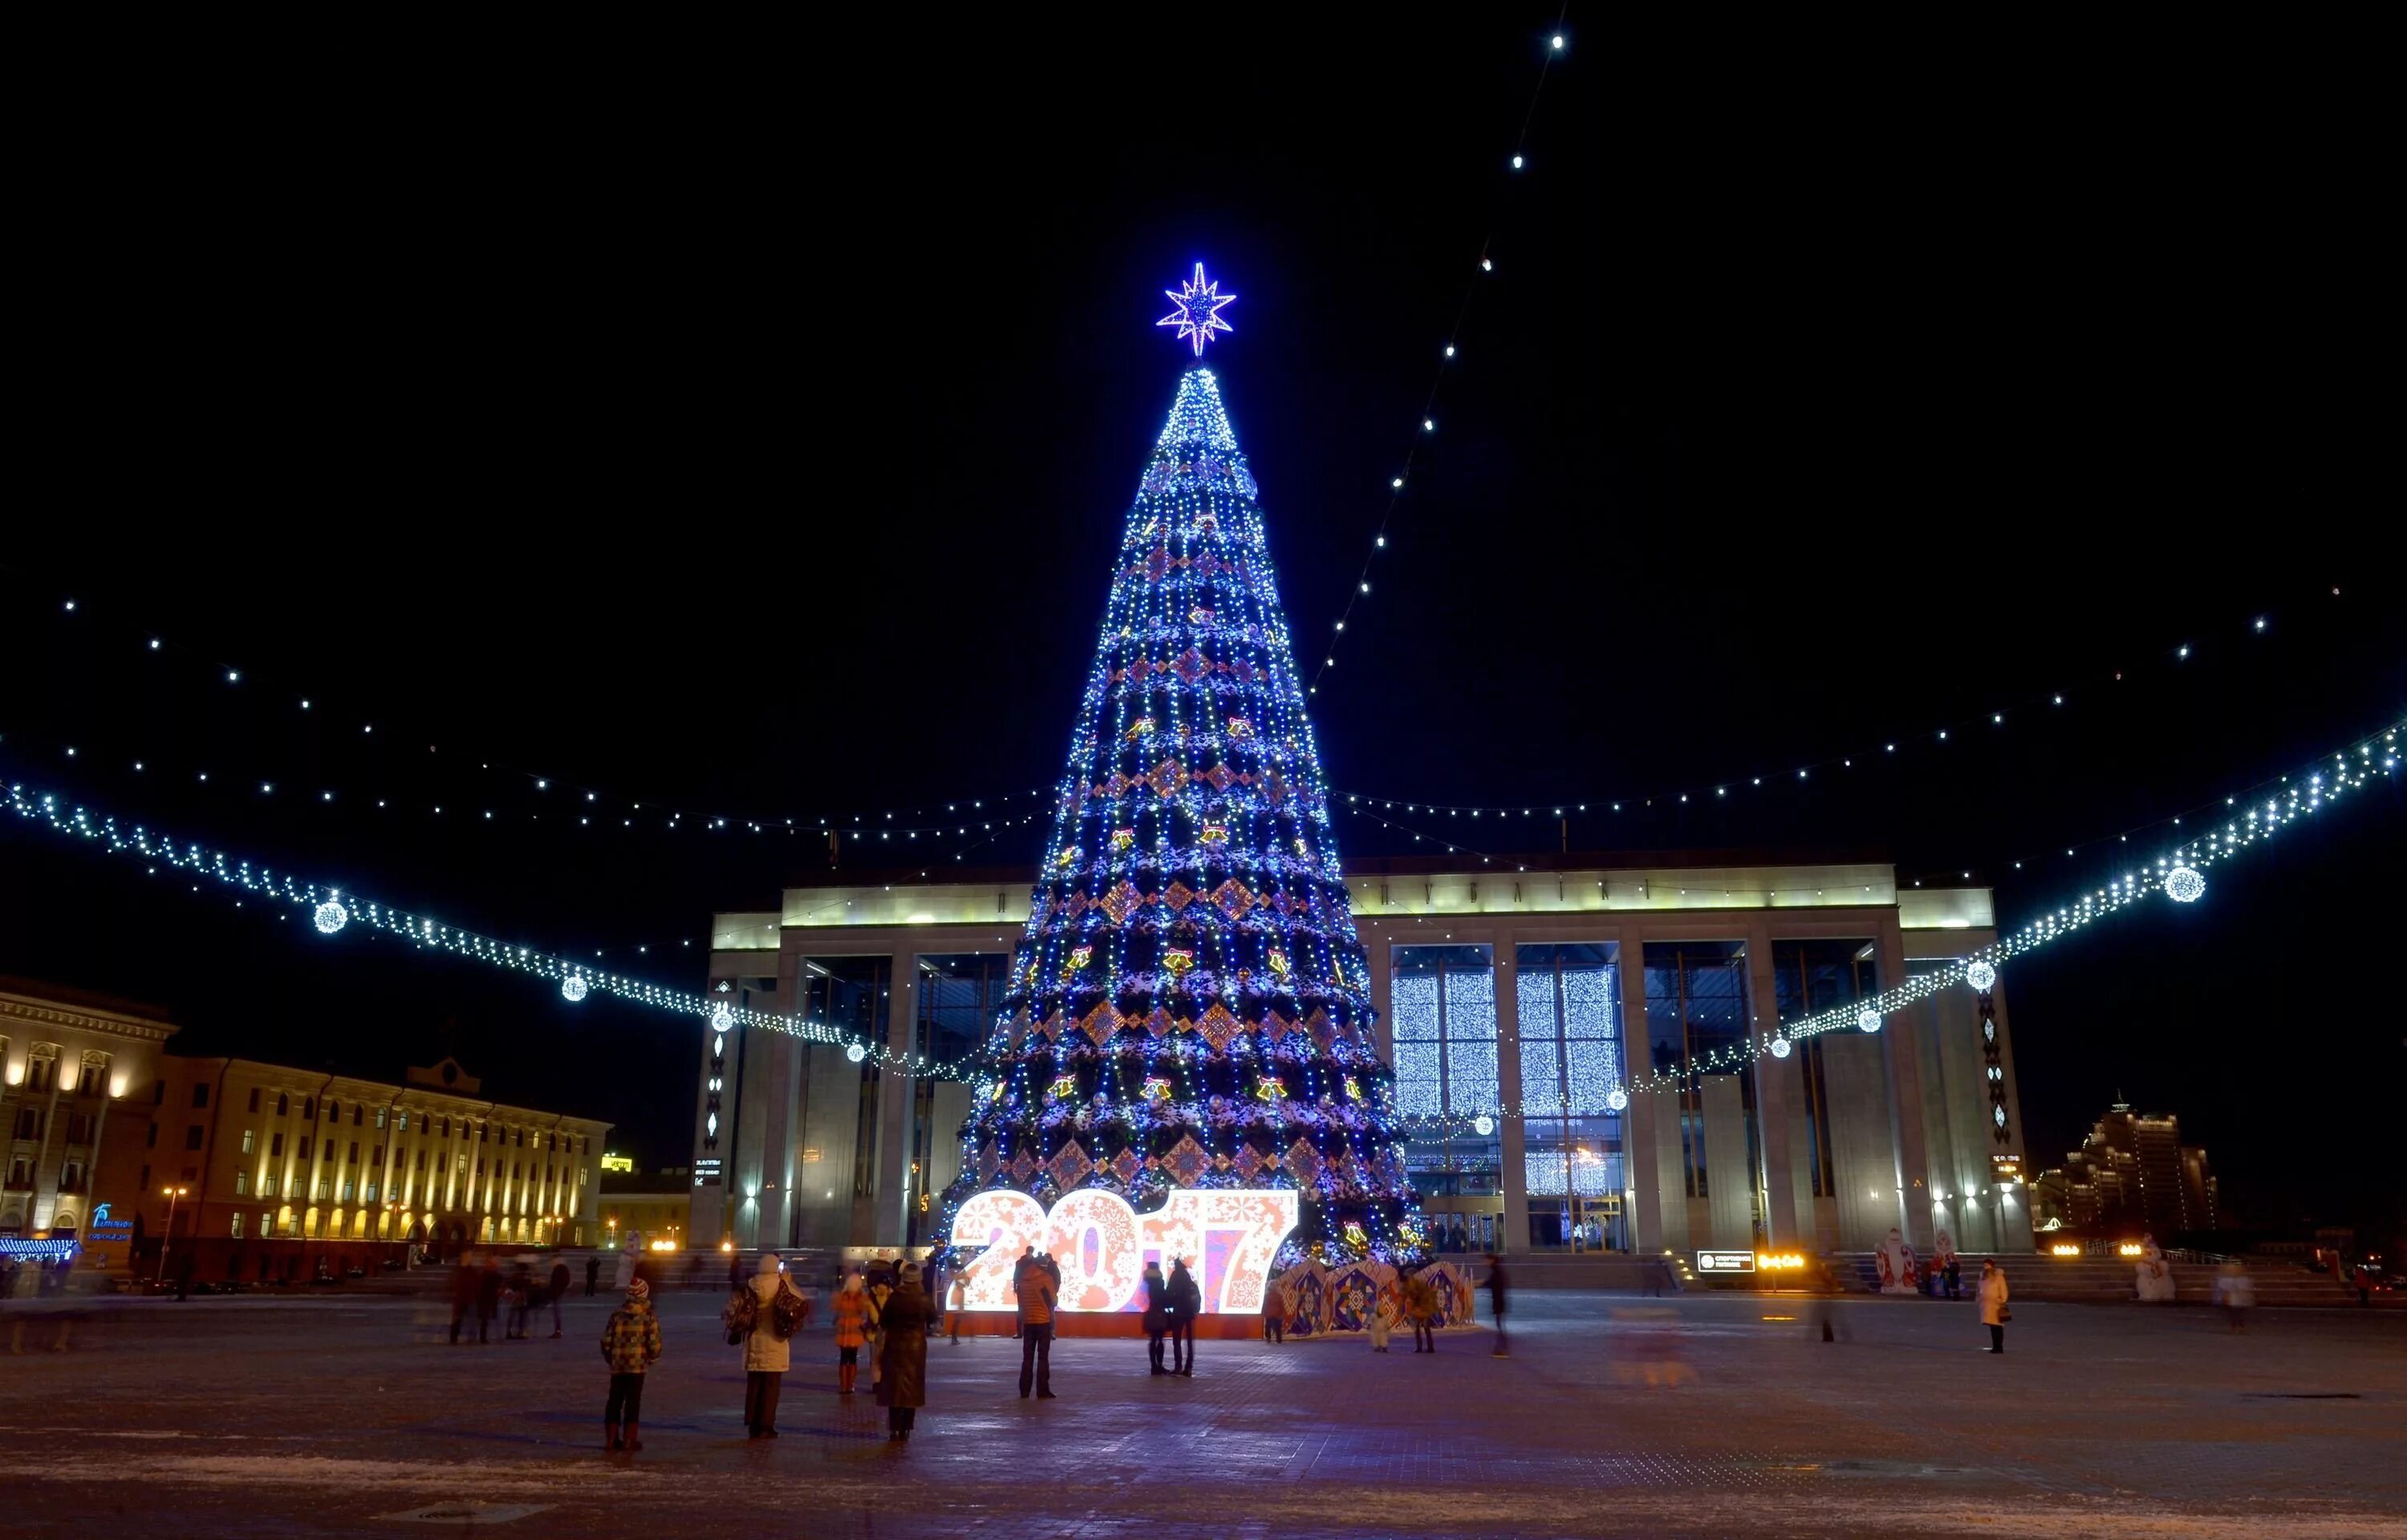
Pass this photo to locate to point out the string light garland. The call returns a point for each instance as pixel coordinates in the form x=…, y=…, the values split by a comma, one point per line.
x=579, y=806
x=1427, y=417
x=331, y=911
x=2164, y=662
x=2246, y=819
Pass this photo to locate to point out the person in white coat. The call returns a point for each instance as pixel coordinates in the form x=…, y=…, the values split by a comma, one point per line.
x=1992, y=1295
x=766, y=1355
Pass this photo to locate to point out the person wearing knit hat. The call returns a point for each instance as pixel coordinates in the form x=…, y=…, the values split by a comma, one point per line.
x=630, y=1343
x=903, y=1358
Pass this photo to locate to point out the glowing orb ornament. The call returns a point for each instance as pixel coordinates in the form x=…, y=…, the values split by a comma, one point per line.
x=574, y=988
x=855, y=1053
x=1780, y=1048
x=2184, y=885
x=722, y=1017
x=1616, y=1100
x=330, y=917
x=1981, y=976
x=1483, y=1125
x=1198, y=316
x=1868, y=1021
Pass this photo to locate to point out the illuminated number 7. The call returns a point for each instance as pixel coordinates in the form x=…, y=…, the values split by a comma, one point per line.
x=1262, y=1218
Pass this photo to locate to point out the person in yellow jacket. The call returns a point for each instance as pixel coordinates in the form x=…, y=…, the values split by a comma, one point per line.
x=1992, y=1294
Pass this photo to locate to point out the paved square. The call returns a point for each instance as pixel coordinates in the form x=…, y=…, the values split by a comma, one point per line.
x=1615, y=1416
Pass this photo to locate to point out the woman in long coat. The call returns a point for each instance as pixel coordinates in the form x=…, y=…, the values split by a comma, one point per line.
x=767, y=1356
x=903, y=1361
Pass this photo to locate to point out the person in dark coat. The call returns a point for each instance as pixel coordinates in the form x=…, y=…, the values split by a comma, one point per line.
x=903, y=1363
x=557, y=1290
x=521, y=1292
x=1156, y=1313
x=1496, y=1299
x=592, y=1274
x=489, y=1297
x=1186, y=1302
x=463, y=1291
x=1274, y=1315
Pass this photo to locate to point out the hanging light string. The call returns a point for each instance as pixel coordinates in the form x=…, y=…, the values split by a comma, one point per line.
x=567, y=801
x=330, y=911
x=2233, y=826
x=592, y=807
x=2173, y=659
x=2248, y=818
x=1425, y=426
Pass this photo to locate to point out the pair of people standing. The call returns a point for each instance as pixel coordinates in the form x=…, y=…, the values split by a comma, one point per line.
x=1171, y=1305
x=893, y=1322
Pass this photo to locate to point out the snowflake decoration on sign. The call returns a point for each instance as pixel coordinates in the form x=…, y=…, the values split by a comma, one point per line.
x=1198, y=316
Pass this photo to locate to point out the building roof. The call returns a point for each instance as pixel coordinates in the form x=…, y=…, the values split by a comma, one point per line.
x=85, y=1000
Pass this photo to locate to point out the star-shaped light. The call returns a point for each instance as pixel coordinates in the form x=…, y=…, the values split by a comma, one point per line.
x=1198, y=315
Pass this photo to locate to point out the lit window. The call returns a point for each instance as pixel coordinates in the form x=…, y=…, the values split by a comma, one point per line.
x=237, y=1217
x=247, y=1137
x=240, y=1178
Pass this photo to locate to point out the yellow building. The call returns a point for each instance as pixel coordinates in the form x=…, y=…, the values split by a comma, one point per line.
x=73, y=1068
x=278, y=1172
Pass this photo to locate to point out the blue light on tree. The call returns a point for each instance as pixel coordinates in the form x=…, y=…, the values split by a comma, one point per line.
x=1189, y=1007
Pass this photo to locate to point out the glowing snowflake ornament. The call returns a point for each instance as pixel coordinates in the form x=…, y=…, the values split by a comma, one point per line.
x=1198, y=316
x=1616, y=1100
x=1780, y=1048
x=721, y=1017
x=1981, y=976
x=573, y=988
x=1868, y=1021
x=854, y=1053
x=2184, y=885
x=330, y=916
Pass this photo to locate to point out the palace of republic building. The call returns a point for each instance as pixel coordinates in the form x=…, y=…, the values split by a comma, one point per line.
x=1516, y=1007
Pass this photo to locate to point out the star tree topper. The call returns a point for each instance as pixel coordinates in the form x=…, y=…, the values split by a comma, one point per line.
x=1198, y=315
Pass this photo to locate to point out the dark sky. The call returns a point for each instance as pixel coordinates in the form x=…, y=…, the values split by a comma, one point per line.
x=744, y=424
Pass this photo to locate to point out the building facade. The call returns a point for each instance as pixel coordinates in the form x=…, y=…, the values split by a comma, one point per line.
x=1514, y=1005
x=2133, y=1174
x=270, y=1171
x=646, y=1209
x=69, y=1061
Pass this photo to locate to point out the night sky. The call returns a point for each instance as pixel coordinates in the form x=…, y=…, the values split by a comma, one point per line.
x=746, y=429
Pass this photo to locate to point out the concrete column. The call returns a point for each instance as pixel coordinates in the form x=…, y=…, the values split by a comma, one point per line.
x=1901, y=1046
x=782, y=1081
x=894, y=1084
x=387, y=1220
x=1773, y=1078
x=2013, y=1207
x=706, y=1216
x=1646, y=1175
x=1513, y=1179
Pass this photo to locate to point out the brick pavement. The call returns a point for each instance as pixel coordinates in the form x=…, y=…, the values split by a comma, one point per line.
x=1703, y=1415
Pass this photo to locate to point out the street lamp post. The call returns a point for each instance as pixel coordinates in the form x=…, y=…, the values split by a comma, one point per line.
x=167, y=1241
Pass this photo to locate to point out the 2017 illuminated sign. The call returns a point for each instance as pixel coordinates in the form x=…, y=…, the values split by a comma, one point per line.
x=1229, y=1236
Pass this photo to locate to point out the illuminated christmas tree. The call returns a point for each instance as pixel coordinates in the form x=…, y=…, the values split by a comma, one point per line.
x=1190, y=1006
